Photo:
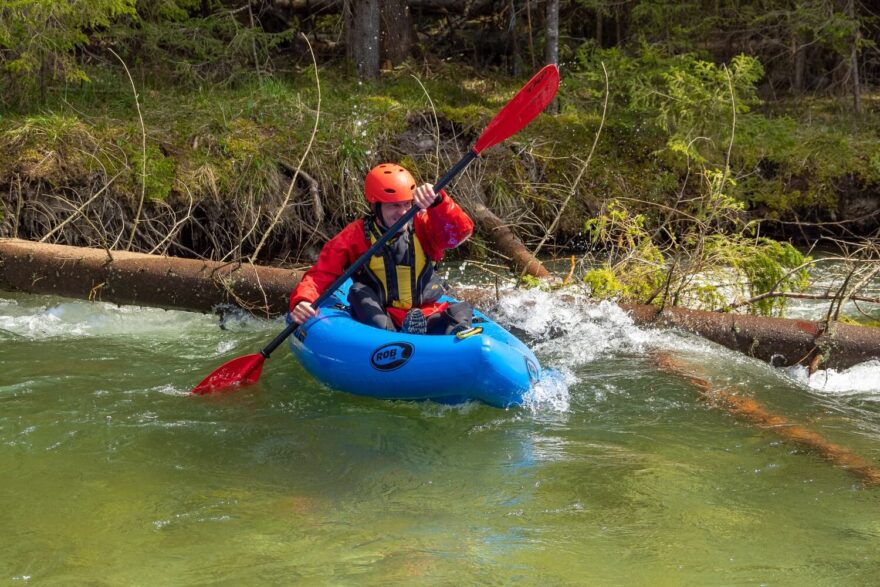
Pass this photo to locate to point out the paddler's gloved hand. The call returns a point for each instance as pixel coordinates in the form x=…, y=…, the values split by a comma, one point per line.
x=302, y=312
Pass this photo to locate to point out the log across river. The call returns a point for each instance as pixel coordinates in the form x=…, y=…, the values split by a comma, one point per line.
x=169, y=282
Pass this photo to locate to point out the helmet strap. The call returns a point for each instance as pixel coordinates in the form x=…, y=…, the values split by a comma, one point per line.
x=377, y=212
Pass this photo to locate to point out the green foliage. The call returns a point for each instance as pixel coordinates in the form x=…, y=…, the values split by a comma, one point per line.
x=634, y=265
x=39, y=38
x=530, y=282
x=709, y=263
x=767, y=265
x=685, y=26
x=679, y=109
x=53, y=148
x=813, y=21
x=796, y=164
x=198, y=48
x=160, y=173
x=603, y=283
x=687, y=100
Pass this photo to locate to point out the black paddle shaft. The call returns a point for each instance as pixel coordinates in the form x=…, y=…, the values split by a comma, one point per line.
x=462, y=163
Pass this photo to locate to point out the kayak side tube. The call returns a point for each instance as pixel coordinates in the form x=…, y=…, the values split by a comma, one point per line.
x=493, y=366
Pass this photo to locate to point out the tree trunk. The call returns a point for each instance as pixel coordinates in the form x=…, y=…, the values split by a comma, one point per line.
x=551, y=49
x=618, y=27
x=746, y=408
x=799, y=55
x=512, y=42
x=508, y=243
x=364, y=38
x=854, y=59
x=397, y=32
x=148, y=280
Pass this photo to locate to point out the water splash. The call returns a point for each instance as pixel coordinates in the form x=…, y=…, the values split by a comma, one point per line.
x=44, y=317
x=861, y=379
x=551, y=393
x=568, y=330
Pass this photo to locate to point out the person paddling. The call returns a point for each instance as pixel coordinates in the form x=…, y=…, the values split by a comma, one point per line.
x=398, y=288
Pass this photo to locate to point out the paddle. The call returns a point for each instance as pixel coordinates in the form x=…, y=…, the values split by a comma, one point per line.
x=516, y=115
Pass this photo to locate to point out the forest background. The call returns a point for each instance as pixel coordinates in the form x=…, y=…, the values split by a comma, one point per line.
x=700, y=153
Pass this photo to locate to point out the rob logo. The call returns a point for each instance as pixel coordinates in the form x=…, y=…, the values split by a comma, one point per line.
x=391, y=356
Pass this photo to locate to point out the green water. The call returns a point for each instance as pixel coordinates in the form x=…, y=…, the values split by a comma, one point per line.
x=112, y=475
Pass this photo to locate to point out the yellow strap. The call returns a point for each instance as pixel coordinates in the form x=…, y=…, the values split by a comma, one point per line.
x=469, y=332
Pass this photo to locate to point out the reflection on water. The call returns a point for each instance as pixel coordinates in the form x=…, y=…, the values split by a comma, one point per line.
x=614, y=472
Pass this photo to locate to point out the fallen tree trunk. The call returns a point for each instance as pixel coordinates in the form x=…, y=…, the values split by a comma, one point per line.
x=779, y=341
x=137, y=278
x=508, y=243
x=169, y=282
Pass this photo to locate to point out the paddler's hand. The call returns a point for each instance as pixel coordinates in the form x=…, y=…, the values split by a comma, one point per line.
x=302, y=312
x=424, y=196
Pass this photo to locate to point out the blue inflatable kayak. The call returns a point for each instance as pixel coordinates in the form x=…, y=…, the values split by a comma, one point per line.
x=490, y=365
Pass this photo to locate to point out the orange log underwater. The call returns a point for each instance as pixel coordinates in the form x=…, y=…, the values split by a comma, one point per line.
x=750, y=410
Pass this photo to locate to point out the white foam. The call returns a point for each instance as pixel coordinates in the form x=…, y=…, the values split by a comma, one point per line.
x=40, y=317
x=863, y=378
x=567, y=331
x=551, y=393
x=169, y=389
x=568, y=328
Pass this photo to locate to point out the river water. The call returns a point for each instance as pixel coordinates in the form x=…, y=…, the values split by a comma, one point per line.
x=614, y=473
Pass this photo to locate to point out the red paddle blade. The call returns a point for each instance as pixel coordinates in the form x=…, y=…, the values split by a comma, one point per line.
x=241, y=371
x=522, y=108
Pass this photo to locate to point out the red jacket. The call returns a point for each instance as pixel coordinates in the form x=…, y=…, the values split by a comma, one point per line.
x=439, y=228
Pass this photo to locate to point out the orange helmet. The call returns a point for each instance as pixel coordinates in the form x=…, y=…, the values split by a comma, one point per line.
x=388, y=182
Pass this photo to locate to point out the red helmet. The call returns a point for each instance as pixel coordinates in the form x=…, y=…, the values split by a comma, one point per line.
x=388, y=182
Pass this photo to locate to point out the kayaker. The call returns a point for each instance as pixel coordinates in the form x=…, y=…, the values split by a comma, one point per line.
x=398, y=288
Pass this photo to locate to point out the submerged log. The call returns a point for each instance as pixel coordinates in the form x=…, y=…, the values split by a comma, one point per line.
x=750, y=410
x=169, y=282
